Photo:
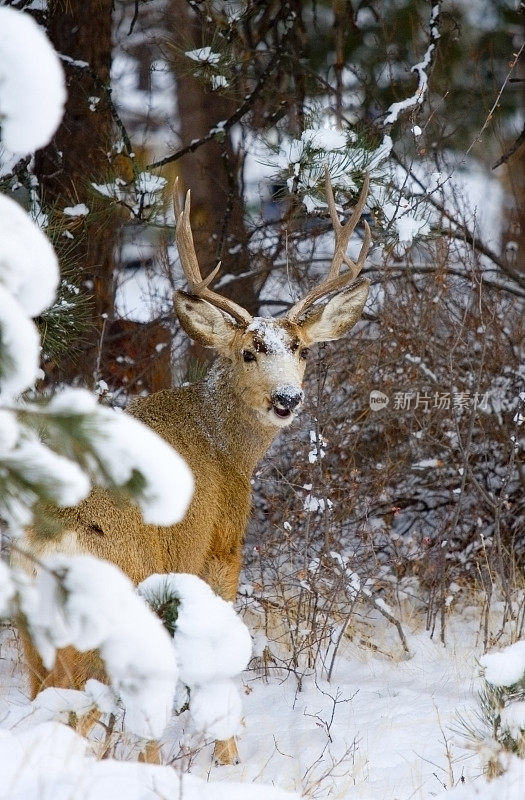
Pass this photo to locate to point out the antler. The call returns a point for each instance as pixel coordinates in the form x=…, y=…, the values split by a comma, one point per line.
x=190, y=263
x=335, y=282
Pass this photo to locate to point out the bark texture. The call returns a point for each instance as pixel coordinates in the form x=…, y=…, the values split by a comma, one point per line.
x=213, y=171
x=80, y=152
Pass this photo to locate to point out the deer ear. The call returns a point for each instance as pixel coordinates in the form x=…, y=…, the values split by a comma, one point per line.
x=335, y=318
x=204, y=322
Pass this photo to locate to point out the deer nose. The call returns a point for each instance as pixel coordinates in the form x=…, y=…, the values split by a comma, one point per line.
x=287, y=397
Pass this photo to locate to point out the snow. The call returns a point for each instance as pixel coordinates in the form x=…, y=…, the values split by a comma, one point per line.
x=275, y=339
x=52, y=762
x=305, y=159
x=427, y=463
x=204, y=55
x=79, y=210
x=19, y=348
x=513, y=718
x=324, y=138
x=142, y=194
x=219, y=82
x=312, y=503
x=216, y=709
x=28, y=264
x=211, y=641
x=318, y=449
x=510, y=786
x=7, y=589
x=382, y=727
x=212, y=645
x=419, y=95
x=408, y=227
x=31, y=100
x=63, y=480
x=95, y=606
x=54, y=704
x=506, y=667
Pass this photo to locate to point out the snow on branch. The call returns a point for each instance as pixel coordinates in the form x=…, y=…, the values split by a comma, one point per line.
x=29, y=278
x=32, y=88
x=505, y=667
x=91, y=604
x=420, y=69
x=28, y=263
x=123, y=447
x=212, y=644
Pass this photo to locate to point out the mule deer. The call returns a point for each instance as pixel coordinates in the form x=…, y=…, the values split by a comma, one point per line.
x=222, y=426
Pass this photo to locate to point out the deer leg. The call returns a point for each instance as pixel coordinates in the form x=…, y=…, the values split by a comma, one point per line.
x=151, y=753
x=222, y=574
x=71, y=670
x=36, y=670
x=84, y=723
x=68, y=672
x=225, y=752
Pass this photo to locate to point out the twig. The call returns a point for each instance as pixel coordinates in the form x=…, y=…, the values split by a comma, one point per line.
x=496, y=101
x=512, y=149
x=227, y=124
x=96, y=373
x=462, y=231
x=135, y=17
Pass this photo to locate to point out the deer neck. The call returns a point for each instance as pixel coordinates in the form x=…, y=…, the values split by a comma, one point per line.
x=235, y=430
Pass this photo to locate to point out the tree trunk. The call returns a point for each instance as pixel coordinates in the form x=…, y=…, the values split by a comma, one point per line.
x=213, y=171
x=80, y=153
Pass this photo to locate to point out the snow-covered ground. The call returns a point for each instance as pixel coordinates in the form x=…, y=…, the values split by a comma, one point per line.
x=384, y=727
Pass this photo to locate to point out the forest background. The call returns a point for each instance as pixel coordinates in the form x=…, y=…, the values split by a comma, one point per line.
x=406, y=467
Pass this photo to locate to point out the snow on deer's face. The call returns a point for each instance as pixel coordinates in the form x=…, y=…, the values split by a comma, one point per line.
x=270, y=360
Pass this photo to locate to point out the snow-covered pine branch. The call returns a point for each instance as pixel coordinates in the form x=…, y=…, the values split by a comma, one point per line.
x=91, y=605
x=32, y=100
x=212, y=645
x=109, y=446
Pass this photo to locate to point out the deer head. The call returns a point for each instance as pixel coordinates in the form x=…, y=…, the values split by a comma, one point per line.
x=268, y=356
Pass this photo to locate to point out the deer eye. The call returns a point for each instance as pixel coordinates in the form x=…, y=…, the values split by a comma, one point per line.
x=248, y=356
x=304, y=352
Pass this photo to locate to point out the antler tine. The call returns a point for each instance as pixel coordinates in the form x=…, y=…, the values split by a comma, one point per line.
x=190, y=264
x=343, y=232
x=334, y=281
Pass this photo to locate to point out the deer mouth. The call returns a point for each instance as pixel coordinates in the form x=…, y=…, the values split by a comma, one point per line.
x=284, y=404
x=282, y=413
x=281, y=416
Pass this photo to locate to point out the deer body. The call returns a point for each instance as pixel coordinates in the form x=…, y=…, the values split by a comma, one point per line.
x=221, y=442
x=222, y=427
